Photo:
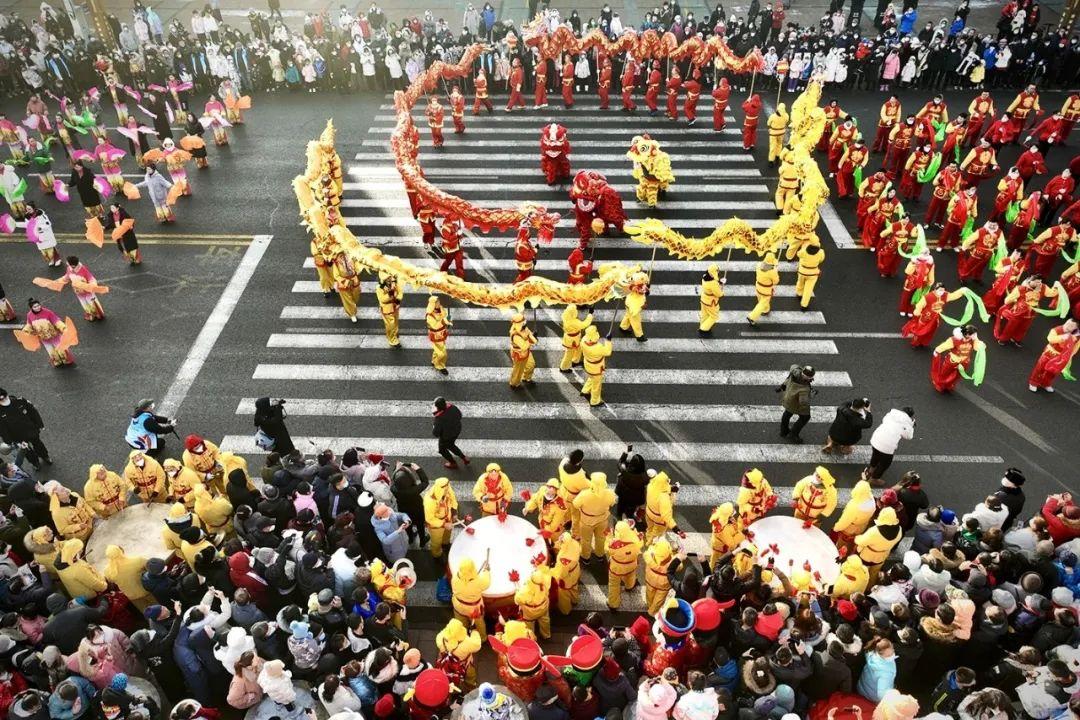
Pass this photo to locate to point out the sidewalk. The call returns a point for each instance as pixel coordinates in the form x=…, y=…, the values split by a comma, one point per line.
x=984, y=13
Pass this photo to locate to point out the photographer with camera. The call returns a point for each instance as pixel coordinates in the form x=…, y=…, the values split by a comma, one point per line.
x=897, y=425
x=270, y=421
x=795, y=399
x=146, y=429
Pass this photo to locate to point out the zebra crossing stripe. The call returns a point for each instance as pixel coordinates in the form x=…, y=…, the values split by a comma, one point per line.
x=664, y=135
x=474, y=374
x=376, y=341
x=467, y=143
x=476, y=314
x=312, y=287
x=449, y=152
x=726, y=206
x=378, y=186
x=387, y=170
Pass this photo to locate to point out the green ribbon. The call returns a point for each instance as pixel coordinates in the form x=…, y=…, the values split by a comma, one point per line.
x=1072, y=258
x=974, y=302
x=999, y=252
x=939, y=133
x=1061, y=306
x=931, y=170
x=969, y=226
x=16, y=193
x=1012, y=211
x=1067, y=372
x=978, y=371
x=858, y=175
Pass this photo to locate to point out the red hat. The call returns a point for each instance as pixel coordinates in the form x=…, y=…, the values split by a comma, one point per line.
x=375, y=458
x=586, y=652
x=385, y=707
x=432, y=688
x=523, y=656
x=191, y=442
x=847, y=610
x=706, y=614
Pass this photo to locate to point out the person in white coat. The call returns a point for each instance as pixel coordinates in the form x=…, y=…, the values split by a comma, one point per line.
x=39, y=231
x=990, y=513
x=897, y=425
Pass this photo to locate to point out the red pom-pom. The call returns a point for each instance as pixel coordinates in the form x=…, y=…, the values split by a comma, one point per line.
x=806, y=566
x=514, y=576
x=530, y=541
x=470, y=531
x=501, y=516
x=526, y=495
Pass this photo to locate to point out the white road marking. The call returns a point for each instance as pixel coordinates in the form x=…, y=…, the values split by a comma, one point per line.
x=479, y=314
x=659, y=265
x=533, y=132
x=523, y=448
x=371, y=187
x=824, y=333
x=402, y=204
x=388, y=170
x=377, y=341
x=614, y=376
x=688, y=290
x=837, y=230
x=212, y=328
x=449, y=152
x=311, y=407
x=427, y=145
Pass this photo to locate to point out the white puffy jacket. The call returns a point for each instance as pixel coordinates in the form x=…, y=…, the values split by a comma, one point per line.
x=897, y=425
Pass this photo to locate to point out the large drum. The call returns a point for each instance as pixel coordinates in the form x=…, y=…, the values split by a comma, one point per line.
x=136, y=529
x=791, y=546
x=508, y=545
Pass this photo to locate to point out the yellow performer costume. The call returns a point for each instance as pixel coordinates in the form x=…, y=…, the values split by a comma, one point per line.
x=874, y=545
x=521, y=345
x=727, y=531
x=438, y=330
x=659, y=507
x=566, y=574
x=788, y=185
x=390, y=295
x=778, y=123
x=766, y=278
x=572, y=484
x=215, y=513
x=572, y=327
x=80, y=578
x=125, y=571
x=182, y=482
x=623, y=548
x=145, y=476
x=712, y=290
x=814, y=496
x=324, y=263
x=657, y=558
x=652, y=169
x=855, y=517
x=468, y=586
x=347, y=283
x=595, y=353
x=455, y=640
x=440, y=509
x=810, y=259
x=178, y=513
x=105, y=491
x=552, y=510
x=853, y=578
x=634, y=304
x=206, y=463
x=385, y=584
x=755, y=498
x=513, y=630
x=43, y=545
x=493, y=490
x=533, y=599
x=594, y=503
x=190, y=550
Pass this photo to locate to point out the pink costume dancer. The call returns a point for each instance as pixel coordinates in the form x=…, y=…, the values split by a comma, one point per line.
x=80, y=276
x=137, y=136
x=13, y=136
x=37, y=116
x=231, y=97
x=175, y=160
x=214, y=117
x=109, y=156
x=46, y=326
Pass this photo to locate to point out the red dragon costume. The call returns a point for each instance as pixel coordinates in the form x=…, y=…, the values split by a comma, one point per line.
x=594, y=199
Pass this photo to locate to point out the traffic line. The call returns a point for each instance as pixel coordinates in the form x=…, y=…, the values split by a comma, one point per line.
x=213, y=327
x=377, y=341
x=564, y=116
x=837, y=230
x=659, y=265
x=312, y=407
x=381, y=186
x=426, y=143
x=402, y=204
x=407, y=220
x=688, y=290
x=388, y=170
x=408, y=239
x=450, y=153
x=678, y=452
x=614, y=376
x=480, y=314
x=533, y=133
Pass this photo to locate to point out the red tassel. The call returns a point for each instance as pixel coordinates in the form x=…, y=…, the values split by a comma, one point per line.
x=526, y=495
x=530, y=541
x=470, y=531
x=514, y=576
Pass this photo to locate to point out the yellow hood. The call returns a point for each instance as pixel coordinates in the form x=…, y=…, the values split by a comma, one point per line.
x=440, y=487
x=134, y=454
x=852, y=565
x=592, y=334
x=70, y=550
x=172, y=466
x=567, y=547
x=42, y=535
x=432, y=302
x=659, y=552
x=660, y=484
x=861, y=492
x=598, y=482
x=752, y=478
x=493, y=467
x=449, y=637
x=887, y=516
x=514, y=630
x=713, y=271
x=824, y=476
x=722, y=514
x=467, y=570
x=781, y=109
x=114, y=552
x=624, y=532
x=94, y=470
x=177, y=511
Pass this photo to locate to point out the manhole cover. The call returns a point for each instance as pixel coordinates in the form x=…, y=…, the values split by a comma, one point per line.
x=139, y=282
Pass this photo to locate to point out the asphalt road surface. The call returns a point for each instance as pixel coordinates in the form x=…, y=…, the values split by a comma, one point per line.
x=226, y=309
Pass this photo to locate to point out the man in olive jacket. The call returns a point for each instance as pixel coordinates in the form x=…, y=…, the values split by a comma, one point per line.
x=795, y=399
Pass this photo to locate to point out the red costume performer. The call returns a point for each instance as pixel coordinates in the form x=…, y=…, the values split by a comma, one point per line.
x=926, y=319
x=946, y=183
x=1017, y=312
x=918, y=274
x=1031, y=163
x=429, y=698
x=673, y=85
x=980, y=164
x=1050, y=131
x=1046, y=247
x=594, y=198
x=935, y=111
x=720, y=95
x=1007, y=275
x=693, y=93
x=457, y=109
x=524, y=253
x=1000, y=132
x=568, y=83
x=435, y=121
x=751, y=109
x=1057, y=194
x=1070, y=280
x=1010, y=190
x=523, y=669
x=951, y=355
x=1062, y=343
x=481, y=99
x=900, y=139
x=554, y=153
x=976, y=251
x=603, y=85
x=869, y=192
x=1025, y=219
x=855, y=156
x=833, y=114
x=1070, y=113
x=954, y=140
x=891, y=114
x=517, y=82
x=451, y=247
x=917, y=162
x=580, y=268
x=540, y=94
x=426, y=217
x=981, y=108
x=897, y=236
x=1021, y=109
x=652, y=88
x=961, y=207
x=627, y=82
x=877, y=216
x=838, y=143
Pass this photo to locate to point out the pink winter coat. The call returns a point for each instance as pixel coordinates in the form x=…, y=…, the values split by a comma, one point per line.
x=891, y=67
x=654, y=701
